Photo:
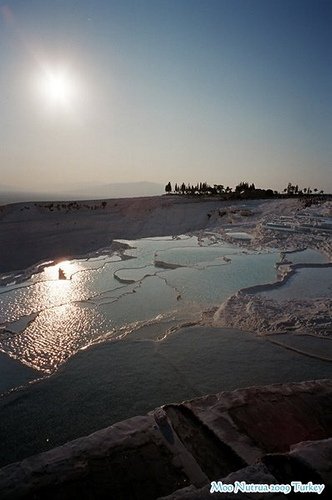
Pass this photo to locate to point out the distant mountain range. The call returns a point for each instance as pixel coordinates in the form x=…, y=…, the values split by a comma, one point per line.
x=81, y=192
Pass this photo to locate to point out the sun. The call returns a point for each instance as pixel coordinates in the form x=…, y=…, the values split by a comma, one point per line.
x=57, y=87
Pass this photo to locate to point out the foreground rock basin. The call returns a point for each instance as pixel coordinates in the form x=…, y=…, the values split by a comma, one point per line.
x=272, y=434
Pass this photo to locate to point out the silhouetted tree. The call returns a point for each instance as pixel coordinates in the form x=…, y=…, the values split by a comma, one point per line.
x=290, y=188
x=243, y=189
x=242, y=186
x=218, y=188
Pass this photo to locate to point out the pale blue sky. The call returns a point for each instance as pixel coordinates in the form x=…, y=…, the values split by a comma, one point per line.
x=158, y=90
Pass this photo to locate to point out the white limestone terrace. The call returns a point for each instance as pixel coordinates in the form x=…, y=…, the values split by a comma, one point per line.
x=285, y=224
x=273, y=434
x=289, y=227
x=37, y=232
x=33, y=233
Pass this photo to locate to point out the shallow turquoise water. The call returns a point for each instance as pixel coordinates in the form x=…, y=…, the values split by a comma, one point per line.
x=307, y=256
x=108, y=296
x=305, y=284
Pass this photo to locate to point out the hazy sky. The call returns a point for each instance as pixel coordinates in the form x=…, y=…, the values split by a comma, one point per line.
x=158, y=90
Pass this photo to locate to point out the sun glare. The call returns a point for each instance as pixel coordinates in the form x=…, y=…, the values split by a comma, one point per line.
x=67, y=267
x=57, y=88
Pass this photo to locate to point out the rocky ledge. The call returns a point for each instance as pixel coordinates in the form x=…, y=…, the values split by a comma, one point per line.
x=272, y=435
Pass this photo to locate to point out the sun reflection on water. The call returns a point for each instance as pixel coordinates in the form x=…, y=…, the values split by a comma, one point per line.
x=68, y=267
x=58, y=290
x=62, y=324
x=63, y=284
x=54, y=336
